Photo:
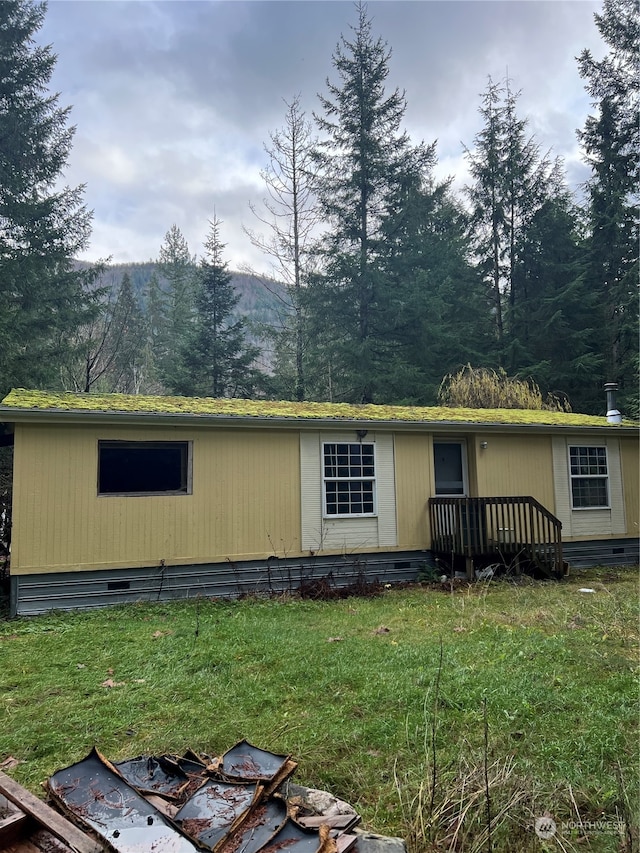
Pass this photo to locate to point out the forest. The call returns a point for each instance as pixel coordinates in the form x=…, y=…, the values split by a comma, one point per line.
x=387, y=279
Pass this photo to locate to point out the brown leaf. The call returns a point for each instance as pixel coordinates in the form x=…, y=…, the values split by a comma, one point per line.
x=111, y=683
x=382, y=630
x=110, y=671
x=334, y=639
x=10, y=762
x=157, y=634
x=459, y=629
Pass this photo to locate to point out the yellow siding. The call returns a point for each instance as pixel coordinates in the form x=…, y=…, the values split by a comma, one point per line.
x=414, y=479
x=514, y=465
x=245, y=502
x=630, y=463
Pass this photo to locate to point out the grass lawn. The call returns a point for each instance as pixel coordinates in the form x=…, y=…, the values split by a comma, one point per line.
x=412, y=705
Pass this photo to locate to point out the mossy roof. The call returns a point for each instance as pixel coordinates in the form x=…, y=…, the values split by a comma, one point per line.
x=22, y=401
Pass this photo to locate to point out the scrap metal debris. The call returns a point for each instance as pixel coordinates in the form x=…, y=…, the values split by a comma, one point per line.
x=235, y=803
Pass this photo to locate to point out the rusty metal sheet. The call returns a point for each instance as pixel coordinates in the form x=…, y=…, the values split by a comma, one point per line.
x=264, y=821
x=167, y=775
x=99, y=798
x=250, y=763
x=293, y=839
x=215, y=810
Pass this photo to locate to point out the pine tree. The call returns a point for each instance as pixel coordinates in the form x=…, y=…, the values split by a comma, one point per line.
x=215, y=359
x=611, y=142
x=436, y=310
x=362, y=160
x=177, y=268
x=511, y=181
x=43, y=297
x=487, y=197
x=556, y=312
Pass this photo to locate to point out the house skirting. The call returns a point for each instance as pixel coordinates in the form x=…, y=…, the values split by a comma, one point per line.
x=602, y=552
x=33, y=594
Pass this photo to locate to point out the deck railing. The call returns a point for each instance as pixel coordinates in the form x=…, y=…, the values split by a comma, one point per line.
x=508, y=527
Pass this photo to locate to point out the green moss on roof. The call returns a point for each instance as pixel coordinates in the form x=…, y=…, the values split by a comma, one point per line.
x=23, y=400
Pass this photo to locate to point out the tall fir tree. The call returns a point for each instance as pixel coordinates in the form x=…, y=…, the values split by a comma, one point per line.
x=215, y=358
x=174, y=303
x=556, y=312
x=362, y=159
x=436, y=308
x=43, y=297
x=611, y=143
x=511, y=182
x=487, y=198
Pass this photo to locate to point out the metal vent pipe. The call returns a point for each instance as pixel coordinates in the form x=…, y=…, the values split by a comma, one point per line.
x=613, y=415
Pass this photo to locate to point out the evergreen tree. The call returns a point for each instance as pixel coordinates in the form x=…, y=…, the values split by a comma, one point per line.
x=362, y=161
x=216, y=360
x=487, y=197
x=436, y=308
x=174, y=303
x=611, y=141
x=555, y=316
x=43, y=297
x=511, y=182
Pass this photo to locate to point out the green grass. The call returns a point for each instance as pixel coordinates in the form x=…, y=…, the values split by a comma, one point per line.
x=548, y=675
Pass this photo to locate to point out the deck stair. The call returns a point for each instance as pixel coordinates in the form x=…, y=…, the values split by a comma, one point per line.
x=518, y=532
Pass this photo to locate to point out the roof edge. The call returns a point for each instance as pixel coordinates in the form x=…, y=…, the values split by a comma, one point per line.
x=294, y=422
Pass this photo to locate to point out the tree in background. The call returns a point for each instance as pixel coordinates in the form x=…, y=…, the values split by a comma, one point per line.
x=362, y=160
x=484, y=388
x=511, y=182
x=215, y=359
x=291, y=218
x=173, y=308
x=555, y=339
x=611, y=142
x=131, y=364
x=436, y=310
x=43, y=226
x=108, y=353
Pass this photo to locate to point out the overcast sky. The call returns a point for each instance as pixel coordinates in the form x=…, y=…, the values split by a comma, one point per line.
x=174, y=101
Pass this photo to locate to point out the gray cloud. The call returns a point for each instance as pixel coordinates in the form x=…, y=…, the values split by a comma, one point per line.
x=173, y=101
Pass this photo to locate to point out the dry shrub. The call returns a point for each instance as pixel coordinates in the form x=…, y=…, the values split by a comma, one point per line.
x=453, y=817
x=483, y=388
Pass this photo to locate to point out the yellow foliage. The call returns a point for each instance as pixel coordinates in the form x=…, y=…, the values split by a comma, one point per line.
x=483, y=388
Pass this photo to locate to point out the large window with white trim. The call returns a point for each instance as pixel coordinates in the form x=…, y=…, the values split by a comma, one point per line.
x=589, y=477
x=349, y=479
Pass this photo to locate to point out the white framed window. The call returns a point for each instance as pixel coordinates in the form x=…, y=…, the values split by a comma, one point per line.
x=349, y=479
x=589, y=474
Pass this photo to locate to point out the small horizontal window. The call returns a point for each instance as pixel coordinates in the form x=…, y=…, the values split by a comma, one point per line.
x=143, y=468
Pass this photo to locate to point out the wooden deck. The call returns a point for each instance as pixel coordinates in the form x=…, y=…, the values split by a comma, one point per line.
x=515, y=531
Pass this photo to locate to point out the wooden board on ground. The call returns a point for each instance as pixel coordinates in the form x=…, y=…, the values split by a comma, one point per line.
x=29, y=825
